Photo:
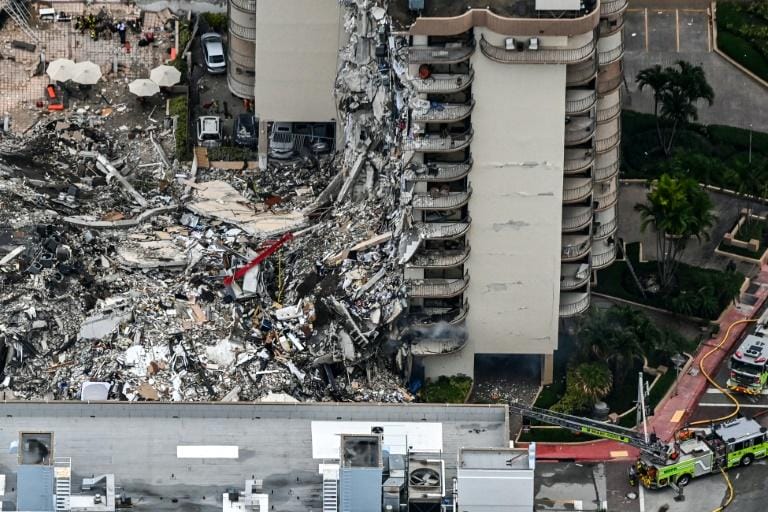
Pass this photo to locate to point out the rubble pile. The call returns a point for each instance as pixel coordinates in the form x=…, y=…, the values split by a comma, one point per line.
x=126, y=275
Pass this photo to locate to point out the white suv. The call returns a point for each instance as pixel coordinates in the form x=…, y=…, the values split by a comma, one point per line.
x=208, y=131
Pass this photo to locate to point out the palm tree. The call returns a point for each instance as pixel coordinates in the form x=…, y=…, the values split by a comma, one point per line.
x=678, y=209
x=656, y=78
x=592, y=380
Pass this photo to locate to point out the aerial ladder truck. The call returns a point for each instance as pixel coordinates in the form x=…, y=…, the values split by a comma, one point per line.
x=693, y=452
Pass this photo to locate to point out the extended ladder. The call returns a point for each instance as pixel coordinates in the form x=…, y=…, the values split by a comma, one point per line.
x=19, y=13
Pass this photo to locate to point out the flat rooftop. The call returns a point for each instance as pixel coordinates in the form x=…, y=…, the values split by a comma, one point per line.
x=137, y=442
x=403, y=17
x=507, y=459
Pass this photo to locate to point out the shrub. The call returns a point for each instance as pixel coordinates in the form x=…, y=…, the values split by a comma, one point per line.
x=447, y=390
x=215, y=21
x=179, y=106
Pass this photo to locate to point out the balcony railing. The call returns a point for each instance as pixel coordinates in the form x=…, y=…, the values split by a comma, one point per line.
x=245, y=5
x=612, y=6
x=543, y=55
x=603, y=259
x=574, y=275
x=443, y=230
x=443, y=83
x=441, y=54
x=579, y=74
x=437, y=288
x=577, y=160
x=607, y=143
x=578, y=101
x=606, y=114
x=241, y=31
x=612, y=55
x=449, y=201
x=436, y=346
x=439, y=259
x=576, y=217
x=606, y=229
x=429, y=316
x=606, y=172
x=578, y=130
x=576, y=189
x=605, y=199
x=575, y=248
x=438, y=144
x=572, y=304
x=443, y=113
x=438, y=171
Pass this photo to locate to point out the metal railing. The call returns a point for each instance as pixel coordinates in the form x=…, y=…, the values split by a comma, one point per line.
x=579, y=130
x=577, y=250
x=443, y=230
x=444, y=112
x=437, y=172
x=439, y=259
x=605, y=172
x=576, y=193
x=607, y=143
x=425, y=347
x=428, y=288
x=604, y=229
x=603, y=259
x=443, y=83
x=580, y=105
x=424, y=317
x=608, y=56
x=578, y=221
x=572, y=165
x=573, y=308
x=439, y=144
x=609, y=113
x=245, y=5
x=571, y=282
x=543, y=55
x=606, y=199
x=580, y=73
x=442, y=202
x=612, y=6
x=241, y=31
x=443, y=54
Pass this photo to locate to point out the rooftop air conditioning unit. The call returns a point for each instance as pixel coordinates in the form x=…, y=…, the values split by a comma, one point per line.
x=533, y=43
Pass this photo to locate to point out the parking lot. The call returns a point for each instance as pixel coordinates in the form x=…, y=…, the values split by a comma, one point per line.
x=668, y=31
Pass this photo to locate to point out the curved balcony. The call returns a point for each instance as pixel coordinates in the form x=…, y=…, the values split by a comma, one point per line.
x=608, y=27
x=611, y=7
x=575, y=247
x=544, y=55
x=443, y=83
x=443, y=112
x=438, y=144
x=439, y=54
x=240, y=88
x=441, y=201
x=577, y=160
x=437, y=288
x=603, y=254
x=607, y=136
x=605, y=195
x=431, y=316
x=576, y=218
x=425, y=347
x=576, y=189
x=439, y=259
x=579, y=130
x=242, y=31
x=607, y=165
x=581, y=73
x=438, y=171
x=245, y=5
x=443, y=230
x=609, y=106
x=574, y=275
x=572, y=304
x=578, y=101
x=606, y=223
x=610, y=49
x=610, y=77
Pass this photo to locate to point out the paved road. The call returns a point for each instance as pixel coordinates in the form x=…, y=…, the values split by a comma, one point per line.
x=656, y=34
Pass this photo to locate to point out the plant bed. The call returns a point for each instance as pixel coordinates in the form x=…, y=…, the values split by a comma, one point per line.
x=742, y=34
x=699, y=292
x=446, y=390
x=746, y=240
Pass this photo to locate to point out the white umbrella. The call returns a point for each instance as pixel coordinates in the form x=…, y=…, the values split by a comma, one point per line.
x=86, y=73
x=60, y=70
x=143, y=87
x=165, y=76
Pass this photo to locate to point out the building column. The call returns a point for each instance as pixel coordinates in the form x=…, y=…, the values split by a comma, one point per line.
x=547, y=369
x=263, y=144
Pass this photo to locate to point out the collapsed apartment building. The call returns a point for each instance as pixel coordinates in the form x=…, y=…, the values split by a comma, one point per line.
x=129, y=275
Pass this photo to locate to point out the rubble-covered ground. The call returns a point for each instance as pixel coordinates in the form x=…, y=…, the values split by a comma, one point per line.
x=124, y=274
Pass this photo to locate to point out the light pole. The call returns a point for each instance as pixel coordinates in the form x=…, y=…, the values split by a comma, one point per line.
x=678, y=360
x=750, y=143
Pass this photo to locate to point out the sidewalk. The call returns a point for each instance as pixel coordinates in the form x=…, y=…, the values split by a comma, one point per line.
x=673, y=411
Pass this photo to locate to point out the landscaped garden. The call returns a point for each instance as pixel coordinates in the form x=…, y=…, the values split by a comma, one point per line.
x=742, y=34
x=446, y=390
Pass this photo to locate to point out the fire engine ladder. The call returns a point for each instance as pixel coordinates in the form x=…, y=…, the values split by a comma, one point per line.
x=655, y=450
x=19, y=13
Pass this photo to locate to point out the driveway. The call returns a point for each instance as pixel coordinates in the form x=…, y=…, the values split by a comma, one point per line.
x=666, y=35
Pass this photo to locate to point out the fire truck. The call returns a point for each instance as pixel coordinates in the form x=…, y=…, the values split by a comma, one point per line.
x=749, y=364
x=693, y=453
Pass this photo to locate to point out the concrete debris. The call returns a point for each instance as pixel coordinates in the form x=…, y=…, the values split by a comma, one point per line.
x=126, y=271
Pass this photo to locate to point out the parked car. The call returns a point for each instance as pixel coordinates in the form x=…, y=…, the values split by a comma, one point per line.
x=246, y=130
x=208, y=131
x=281, y=141
x=213, y=52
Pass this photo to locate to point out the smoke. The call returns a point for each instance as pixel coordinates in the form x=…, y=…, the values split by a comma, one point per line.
x=439, y=330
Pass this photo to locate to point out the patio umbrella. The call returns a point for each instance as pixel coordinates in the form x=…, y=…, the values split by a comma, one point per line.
x=86, y=73
x=165, y=76
x=143, y=87
x=60, y=70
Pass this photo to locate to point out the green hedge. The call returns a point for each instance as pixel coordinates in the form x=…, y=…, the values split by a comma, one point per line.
x=742, y=35
x=179, y=107
x=446, y=390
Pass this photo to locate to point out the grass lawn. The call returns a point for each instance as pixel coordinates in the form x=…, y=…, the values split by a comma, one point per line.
x=707, y=152
x=742, y=35
x=447, y=390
